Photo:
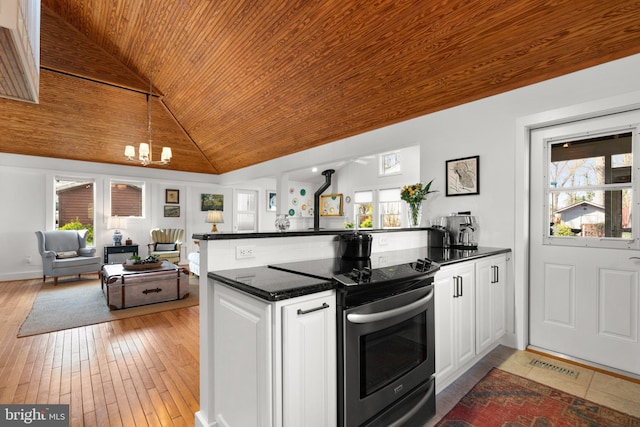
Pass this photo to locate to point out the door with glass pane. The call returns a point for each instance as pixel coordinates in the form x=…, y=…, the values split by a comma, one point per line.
x=245, y=211
x=584, y=263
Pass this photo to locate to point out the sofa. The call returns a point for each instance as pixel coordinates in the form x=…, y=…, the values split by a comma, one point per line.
x=194, y=263
x=65, y=253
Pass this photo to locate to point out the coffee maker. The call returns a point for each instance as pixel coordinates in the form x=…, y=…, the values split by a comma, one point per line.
x=463, y=230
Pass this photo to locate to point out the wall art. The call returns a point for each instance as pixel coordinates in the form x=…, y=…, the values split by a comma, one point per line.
x=172, y=196
x=171, y=211
x=211, y=202
x=463, y=176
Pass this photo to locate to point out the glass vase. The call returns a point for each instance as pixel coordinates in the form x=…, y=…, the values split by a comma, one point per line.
x=282, y=222
x=415, y=214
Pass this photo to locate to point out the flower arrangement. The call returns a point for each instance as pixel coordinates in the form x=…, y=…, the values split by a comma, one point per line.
x=414, y=195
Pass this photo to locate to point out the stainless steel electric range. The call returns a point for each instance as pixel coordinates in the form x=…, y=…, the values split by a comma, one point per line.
x=386, y=336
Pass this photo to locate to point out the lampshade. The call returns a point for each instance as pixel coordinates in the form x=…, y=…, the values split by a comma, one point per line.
x=116, y=222
x=130, y=152
x=144, y=150
x=215, y=217
x=166, y=154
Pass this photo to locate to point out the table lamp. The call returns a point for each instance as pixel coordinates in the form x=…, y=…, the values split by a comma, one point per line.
x=214, y=217
x=116, y=223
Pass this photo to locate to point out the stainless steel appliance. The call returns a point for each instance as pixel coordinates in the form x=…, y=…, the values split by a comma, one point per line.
x=386, y=345
x=386, y=336
x=464, y=230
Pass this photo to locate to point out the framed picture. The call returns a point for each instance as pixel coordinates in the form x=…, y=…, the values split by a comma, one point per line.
x=271, y=200
x=172, y=196
x=331, y=205
x=171, y=211
x=463, y=176
x=211, y=202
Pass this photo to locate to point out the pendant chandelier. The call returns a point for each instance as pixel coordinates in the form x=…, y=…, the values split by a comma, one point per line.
x=146, y=148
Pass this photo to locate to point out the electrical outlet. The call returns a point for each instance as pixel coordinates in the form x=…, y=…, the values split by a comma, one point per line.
x=28, y=259
x=383, y=241
x=244, y=252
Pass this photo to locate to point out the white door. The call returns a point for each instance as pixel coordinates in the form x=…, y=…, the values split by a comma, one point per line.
x=584, y=254
x=246, y=211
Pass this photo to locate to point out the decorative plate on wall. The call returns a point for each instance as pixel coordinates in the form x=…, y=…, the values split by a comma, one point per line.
x=303, y=192
x=292, y=212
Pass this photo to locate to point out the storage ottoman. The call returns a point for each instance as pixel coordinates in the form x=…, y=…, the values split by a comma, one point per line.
x=124, y=288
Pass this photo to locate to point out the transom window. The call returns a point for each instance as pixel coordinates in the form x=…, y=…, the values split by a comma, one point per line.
x=590, y=190
x=390, y=163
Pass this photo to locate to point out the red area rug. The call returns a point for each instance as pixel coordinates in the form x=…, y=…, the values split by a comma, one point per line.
x=504, y=399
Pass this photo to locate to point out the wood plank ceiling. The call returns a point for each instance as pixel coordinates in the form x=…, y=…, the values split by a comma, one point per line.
x=249, y=81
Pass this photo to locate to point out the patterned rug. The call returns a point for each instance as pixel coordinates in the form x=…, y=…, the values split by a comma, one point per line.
x=504, y=399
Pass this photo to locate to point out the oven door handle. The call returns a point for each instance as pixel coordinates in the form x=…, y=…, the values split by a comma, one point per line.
x=383, y=315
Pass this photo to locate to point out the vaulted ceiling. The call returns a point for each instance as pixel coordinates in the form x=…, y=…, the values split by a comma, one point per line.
x=246, y=81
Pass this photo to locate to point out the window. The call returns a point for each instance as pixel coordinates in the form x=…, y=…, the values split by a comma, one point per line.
x=246, y=211
x=390, y=163
x=363, y=209
x=127, y=198
x=74, y=200
x=390, y=207
x=590, y=190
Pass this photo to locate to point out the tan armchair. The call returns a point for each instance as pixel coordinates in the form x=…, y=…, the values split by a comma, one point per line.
x=166, y=244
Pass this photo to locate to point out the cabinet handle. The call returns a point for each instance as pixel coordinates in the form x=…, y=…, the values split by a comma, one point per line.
x=457, y=286
x=496, y=274
x=311, y=310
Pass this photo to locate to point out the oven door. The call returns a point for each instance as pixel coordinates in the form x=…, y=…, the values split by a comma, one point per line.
x=388, y=352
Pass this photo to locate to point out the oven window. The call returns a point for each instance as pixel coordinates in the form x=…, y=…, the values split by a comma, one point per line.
x=390, y=353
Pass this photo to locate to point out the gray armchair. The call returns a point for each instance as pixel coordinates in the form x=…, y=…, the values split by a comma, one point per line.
x=65, y=253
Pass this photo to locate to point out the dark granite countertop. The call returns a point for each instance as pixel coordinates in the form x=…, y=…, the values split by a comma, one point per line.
x=275, y=284
x=271, y=284
x=294, y=233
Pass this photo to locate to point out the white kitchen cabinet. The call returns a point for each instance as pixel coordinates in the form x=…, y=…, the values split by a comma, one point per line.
x=275, y=362
x=455, y=319
x=309, y=378
x=470, y=314
x=491, y=301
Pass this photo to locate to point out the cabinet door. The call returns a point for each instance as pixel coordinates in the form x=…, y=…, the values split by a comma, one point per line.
x=309, y=363
x=465, y=313
x=491, y=279
x=499, y=296
x=445, y=323
x=242, y=359
x=455, y=318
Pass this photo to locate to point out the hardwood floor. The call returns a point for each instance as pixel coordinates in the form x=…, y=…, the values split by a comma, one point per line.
x=132, y=372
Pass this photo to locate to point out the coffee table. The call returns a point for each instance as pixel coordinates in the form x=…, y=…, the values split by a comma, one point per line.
x=129, y=288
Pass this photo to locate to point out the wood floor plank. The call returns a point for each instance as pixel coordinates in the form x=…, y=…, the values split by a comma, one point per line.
x=111, y=374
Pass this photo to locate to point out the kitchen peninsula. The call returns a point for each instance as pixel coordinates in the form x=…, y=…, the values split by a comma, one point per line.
x=248, y=276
